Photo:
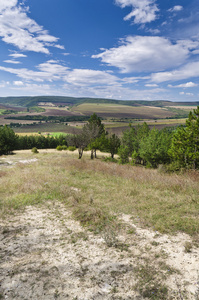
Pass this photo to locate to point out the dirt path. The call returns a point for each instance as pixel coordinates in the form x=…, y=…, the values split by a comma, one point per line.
x=45, y=254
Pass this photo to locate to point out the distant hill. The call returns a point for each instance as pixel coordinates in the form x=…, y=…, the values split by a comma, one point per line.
x=61, y=100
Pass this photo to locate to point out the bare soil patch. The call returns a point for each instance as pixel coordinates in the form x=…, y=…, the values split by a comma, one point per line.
x=45, y=254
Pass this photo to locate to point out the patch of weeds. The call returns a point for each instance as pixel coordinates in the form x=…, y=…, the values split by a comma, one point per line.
x=187, y=247
x=197, y=290
x=154, y=243
x=196, y=241
x=5, y=230
x=76, y=236
x=114, y=290
x=155, y=292
x=156, y=235
x=95, y=218
x=168, y=268
x=147, y=248
x=110, y=237
x=131, y=230
x=163, y=254
x=148, y=284
x=56, y=294
x=122, y=246
x=110, y=159
x=181, y=293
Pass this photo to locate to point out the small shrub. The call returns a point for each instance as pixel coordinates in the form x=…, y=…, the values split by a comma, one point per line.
x=64, y=147
x=34, y=150
x=71, y=148
x=107, y=159
x=188, y=247
x=59, y=148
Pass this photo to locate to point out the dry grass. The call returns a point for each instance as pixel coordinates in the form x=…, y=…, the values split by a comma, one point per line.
x=119, y=111
x=168, y=203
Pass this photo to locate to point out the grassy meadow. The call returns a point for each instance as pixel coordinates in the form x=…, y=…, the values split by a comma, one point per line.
x=164, y=202
x=100, y=195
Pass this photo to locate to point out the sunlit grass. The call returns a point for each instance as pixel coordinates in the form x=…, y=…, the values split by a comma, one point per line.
x=167, y=203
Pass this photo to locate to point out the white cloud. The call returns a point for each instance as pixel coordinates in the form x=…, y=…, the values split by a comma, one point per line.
x=5, y=4
x=186, y=94
x=184, y=85
x=86, y=77
x=12, y=61
x=151, y=85
x=33, y=89
x=143, y=11
x=48, y=71
x=59, y=47
x=4, y=84
x=188, y=71
x=53, y=68
x=176, y=8
x=18, y=29
x=18, y=83
x=17, y=55
x=145, y=53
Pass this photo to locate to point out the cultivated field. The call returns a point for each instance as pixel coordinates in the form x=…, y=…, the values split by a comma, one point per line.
x=83, y=229
x=122, y=111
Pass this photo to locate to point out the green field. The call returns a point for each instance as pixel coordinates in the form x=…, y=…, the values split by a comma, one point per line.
x=46, y=128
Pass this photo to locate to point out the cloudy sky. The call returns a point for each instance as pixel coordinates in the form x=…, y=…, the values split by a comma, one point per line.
x=119, y=49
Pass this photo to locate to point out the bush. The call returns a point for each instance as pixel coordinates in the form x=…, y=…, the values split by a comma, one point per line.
x=59, y=148
x=71, y=148
x=34, y=150
x=64, y=147
x=107, y=159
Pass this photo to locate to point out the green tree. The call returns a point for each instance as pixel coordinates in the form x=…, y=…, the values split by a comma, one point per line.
x=131, y=140
x=185, y=143
x=113, y=145
x=8, y=140
x=123, y=152
x=155, y=146
x=95, y=129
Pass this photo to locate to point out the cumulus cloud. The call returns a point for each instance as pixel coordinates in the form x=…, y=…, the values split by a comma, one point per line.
x=186, y=94
x=184, y=85
x=143, y=11
x=18, y=29
x=85, y=77
x=52, y=70
x=176, y=8
x=5, y=4
x=188, y=71
x=145, y=53
x=48, y=71
x=18, y=83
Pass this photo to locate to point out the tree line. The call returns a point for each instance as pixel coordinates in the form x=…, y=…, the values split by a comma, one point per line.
x=9, y=141
x=174, y=148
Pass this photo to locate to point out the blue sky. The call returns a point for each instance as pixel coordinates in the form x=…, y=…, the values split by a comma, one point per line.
x=117, y=49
